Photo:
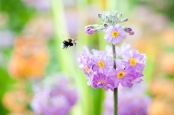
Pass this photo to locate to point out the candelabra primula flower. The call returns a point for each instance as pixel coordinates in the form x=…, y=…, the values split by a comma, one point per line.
x=53, y=97
x=100, y=71
x=122, y=75
x=101, y=80
x=134, y=59
x=101, y=61
x=115, y=34
x=117, y=65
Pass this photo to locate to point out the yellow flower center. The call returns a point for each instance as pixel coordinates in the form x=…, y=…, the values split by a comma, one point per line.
x=120, y=74
x=101, y=64
x=115, y=34
x=132, y=61
x=87, y=69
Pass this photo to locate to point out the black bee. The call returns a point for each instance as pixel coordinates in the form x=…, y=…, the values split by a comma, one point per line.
x=68, y=43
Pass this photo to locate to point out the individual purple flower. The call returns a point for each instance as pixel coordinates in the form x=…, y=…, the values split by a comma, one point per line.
x=134, y=59
x=85, y=60
x=131, y=101
x=101, y=61
x=101, y=80
x=53, y=97
x=115, y=34
x=122, y=75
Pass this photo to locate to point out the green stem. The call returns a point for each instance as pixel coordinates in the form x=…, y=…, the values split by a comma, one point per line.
x=66, y=63
x=115, y=89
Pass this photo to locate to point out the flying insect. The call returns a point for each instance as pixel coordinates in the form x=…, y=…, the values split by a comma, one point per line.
x=68, y=43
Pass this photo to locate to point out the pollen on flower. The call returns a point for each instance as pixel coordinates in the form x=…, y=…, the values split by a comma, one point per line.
x=120, y=74
x=115, y=34
x=133, y=61
x=87, y=69
x=101, y=64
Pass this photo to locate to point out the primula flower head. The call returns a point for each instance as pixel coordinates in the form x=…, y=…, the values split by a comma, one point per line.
x=134, y=59
x=101, y=61
x=122, y=75
x=115, y=34
x=100, y=80
x=117, y=65
x=100, y=71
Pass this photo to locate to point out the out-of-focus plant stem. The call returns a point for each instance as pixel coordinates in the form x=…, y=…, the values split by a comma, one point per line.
x=60, y=35
x=65, y=61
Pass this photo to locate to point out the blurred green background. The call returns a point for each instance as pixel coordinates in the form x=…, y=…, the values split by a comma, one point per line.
x=48, y=22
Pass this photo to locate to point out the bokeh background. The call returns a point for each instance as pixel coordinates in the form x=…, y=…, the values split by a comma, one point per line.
x=31, y=33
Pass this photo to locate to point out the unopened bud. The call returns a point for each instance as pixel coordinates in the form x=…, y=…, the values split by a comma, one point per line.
x=105, y=25
x=124, y=20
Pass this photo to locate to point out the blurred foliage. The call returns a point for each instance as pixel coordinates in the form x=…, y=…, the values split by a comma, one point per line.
x=5, y=84
x=17, y=12
x=169, y=48
x=164, y=7
x=53, y=65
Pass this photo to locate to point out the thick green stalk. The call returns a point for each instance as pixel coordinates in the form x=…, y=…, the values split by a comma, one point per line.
x=115, y=89
x=66, y=62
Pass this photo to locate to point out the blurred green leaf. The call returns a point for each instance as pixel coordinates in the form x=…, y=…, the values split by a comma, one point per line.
x=148, y=71
x=17, y=12
x=5, y=84
x=169, y=49
x=53, y=66
x=98, y=95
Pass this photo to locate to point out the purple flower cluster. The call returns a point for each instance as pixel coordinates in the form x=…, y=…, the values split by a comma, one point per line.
x=131, y=101
x=53, y=97
x=100, y=71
